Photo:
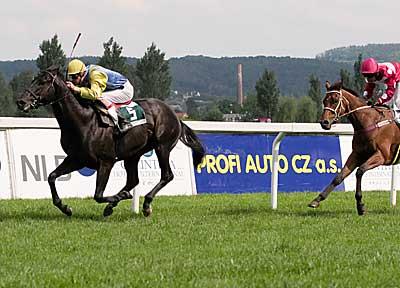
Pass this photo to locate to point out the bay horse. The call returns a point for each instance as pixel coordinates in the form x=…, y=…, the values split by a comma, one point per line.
x=375, y=142
x=89, y=143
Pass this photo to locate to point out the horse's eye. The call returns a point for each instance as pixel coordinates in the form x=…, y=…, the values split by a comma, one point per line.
x=334, y=100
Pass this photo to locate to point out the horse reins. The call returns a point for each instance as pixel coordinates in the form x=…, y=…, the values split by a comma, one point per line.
x=36, y=98
x=340, y=104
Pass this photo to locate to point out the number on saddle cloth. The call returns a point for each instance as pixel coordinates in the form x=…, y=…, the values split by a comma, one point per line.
x=132, y=113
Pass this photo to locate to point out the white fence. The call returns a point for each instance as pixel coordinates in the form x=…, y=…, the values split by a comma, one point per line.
x=32, y=150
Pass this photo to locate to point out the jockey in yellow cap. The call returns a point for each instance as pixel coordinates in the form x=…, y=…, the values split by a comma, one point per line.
x=94, y=82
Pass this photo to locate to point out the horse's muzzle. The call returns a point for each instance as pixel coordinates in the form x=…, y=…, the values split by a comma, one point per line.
x=23, y=106
x=325, y=124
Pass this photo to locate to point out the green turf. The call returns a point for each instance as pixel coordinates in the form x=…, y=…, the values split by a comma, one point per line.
x=203, y=241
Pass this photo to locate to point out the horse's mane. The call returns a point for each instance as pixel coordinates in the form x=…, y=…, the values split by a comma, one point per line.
x=56, y=69
x=338, y=85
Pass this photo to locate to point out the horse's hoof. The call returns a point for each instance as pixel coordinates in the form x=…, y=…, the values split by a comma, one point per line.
x=67, y=211
x=127, y=195
x=361, y=210
x=147, y=212
x=108, y=210
x=314, y=204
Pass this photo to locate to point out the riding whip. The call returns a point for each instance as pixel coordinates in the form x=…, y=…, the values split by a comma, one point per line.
x=72, y=51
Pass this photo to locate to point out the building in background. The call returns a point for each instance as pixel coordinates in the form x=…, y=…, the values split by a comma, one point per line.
x=240, y=85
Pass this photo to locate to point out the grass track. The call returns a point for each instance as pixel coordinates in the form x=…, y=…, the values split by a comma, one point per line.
x=203, y=241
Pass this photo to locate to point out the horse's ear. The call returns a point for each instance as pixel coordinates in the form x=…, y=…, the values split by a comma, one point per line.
x=53, y=69
x=327, y=84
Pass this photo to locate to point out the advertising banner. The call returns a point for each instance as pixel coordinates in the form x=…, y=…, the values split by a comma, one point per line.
x=37, y=152
x=5, y=188
x=242, y=163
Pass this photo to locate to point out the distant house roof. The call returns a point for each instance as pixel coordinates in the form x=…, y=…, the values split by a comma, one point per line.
x=232, y=117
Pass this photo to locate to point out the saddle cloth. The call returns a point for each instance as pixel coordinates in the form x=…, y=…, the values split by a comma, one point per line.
x=131, y=112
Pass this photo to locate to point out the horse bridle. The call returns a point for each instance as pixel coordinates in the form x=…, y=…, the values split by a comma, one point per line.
x=36, y=98
x=340, y=105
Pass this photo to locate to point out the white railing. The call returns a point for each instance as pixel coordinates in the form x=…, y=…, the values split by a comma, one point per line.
x=281, y=129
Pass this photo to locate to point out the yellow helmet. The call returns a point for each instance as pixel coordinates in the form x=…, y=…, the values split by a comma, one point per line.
x=76, y=66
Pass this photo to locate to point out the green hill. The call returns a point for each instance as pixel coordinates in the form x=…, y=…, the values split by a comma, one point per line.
x=382, y=52
x=217, y=76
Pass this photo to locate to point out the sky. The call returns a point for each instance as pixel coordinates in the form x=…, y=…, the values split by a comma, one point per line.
x=215, y=28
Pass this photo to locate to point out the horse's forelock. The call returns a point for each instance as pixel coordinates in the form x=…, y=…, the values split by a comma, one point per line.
x=53, y=70
x=336, y=86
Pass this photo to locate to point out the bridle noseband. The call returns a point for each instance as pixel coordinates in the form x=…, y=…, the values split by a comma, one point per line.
x=338, y=106
x=36, y=103
x=341, y=104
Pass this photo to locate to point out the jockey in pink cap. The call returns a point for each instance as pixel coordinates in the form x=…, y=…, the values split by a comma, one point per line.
x=387, y=73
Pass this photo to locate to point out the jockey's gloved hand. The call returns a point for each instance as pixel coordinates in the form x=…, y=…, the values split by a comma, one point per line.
x=366, y=97
x=370, y=102
x=74, y=89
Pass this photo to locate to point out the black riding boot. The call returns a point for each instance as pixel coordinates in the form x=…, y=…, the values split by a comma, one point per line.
x=124, y=125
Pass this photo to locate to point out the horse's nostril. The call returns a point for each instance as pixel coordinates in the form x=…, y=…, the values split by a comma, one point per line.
x=21, y=104
x=325, y=122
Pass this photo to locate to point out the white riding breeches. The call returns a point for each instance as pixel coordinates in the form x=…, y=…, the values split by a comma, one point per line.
x=120, y=95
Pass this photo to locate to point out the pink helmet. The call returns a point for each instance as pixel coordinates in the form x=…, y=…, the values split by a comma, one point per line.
x=369, y=66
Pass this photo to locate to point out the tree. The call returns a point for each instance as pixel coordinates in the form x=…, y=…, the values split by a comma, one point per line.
x=359, y=80
x=250, y=110
x=153, y=79
x=314, y=92
x=192, y=109
x=287, y=109
x=7, y=103
x=112, y=58
x=213, y=114
x=346, y=79
x=227, y=106
x=52, y=54
x=267, y=94
x=21, y=81
x=306, y=110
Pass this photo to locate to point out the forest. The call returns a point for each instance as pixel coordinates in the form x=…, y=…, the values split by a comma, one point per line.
x=284, y=89
x=217, y=76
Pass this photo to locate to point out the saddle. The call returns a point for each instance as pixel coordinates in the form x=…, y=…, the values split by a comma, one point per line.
x=395, y=113
x=129, y=115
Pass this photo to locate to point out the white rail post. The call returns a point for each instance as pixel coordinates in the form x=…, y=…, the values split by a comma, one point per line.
x=393, y=191
x=11, y=164
x=135, y=201
x=274, y=175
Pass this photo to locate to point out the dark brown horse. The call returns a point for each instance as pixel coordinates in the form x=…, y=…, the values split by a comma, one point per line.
x=375, y=141
x=88, y=143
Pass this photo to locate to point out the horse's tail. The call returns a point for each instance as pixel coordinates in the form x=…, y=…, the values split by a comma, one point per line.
x=189, y=138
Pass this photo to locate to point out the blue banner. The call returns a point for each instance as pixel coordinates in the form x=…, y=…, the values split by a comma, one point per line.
x=241, y=163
